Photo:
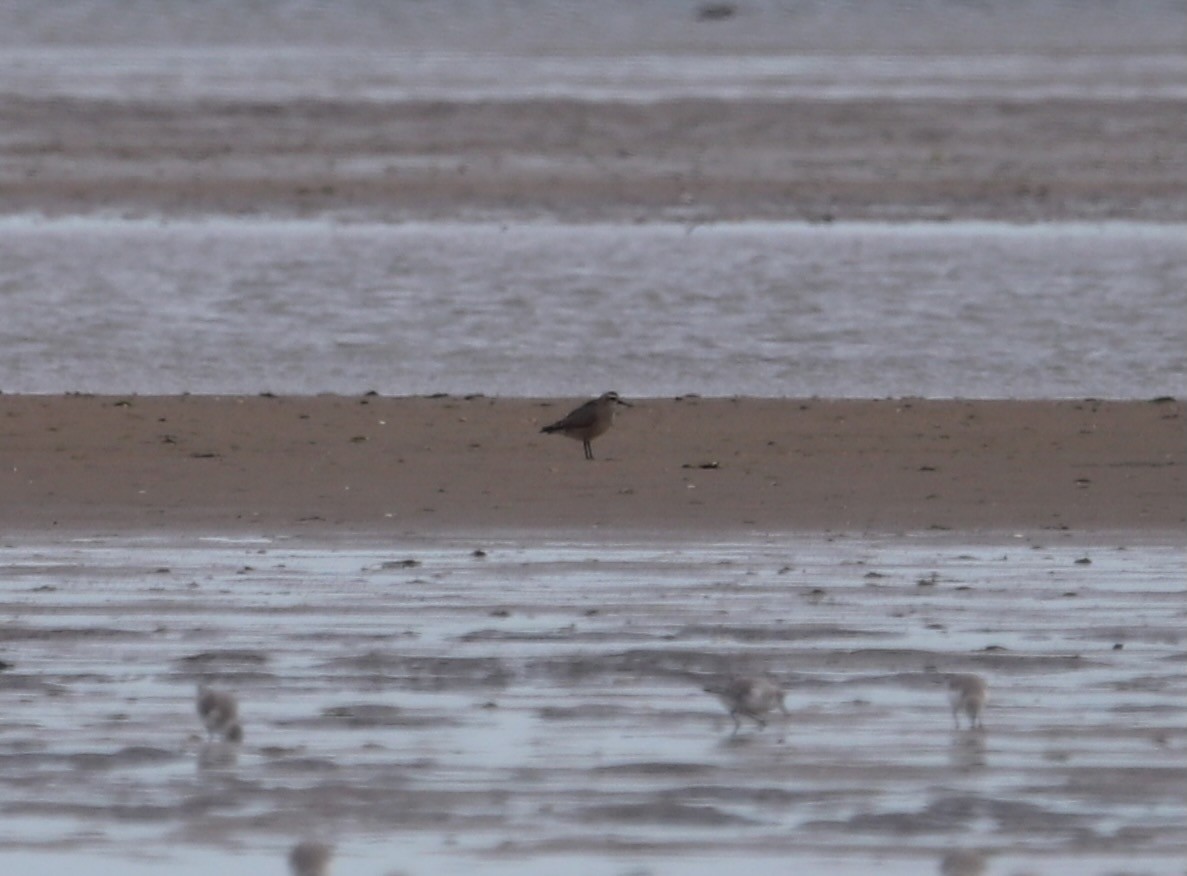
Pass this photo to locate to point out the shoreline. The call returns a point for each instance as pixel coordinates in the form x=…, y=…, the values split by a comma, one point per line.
x=330, y=466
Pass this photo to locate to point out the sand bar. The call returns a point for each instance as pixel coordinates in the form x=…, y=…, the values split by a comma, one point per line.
x=697, y=160
x=422, y=466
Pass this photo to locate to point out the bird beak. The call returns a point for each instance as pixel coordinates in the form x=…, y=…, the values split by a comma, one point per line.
x=624, y=404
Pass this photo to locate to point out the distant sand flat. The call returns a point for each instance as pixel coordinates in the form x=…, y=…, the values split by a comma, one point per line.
x=699, y=160
x=357, y=465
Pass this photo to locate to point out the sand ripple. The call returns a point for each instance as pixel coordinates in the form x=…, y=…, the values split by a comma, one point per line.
x=541, y=701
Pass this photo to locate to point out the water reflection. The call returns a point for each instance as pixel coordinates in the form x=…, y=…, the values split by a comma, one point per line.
x=962, y=862
x=966, y=751
x=218, y=756
x=396, y=711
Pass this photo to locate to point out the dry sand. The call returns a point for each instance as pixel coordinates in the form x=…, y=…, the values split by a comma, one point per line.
x=422, y=466
x=696, y=160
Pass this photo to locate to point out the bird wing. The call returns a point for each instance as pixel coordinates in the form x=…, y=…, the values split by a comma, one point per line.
x=578, y=418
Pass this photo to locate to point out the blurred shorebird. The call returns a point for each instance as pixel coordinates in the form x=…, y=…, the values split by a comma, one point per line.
x=588, y=421
x=750, y=697
x=310, y=858
x=968, y=694
x=219, y=711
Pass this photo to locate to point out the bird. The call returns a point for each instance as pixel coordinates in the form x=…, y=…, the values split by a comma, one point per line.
x=219, y=711
x=968, y=694
x=588, y=421
x=309, y=858
x=749, y=696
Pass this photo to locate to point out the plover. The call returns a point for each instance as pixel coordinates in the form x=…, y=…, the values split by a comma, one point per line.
x=968, y=694
x=588, y=421
x=749, y=697
x=219, y=712
x=310, y=858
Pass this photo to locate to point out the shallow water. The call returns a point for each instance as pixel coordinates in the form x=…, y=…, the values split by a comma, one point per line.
x=277, y=51
x=962, y=309
x=278, y=75
x=519, y=703
x=471, y=29
x=242, y=306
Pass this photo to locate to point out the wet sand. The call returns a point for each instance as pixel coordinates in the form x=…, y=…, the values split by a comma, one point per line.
x=684, y=467
x=694, y=160
x=456, y=643
x=530, y=705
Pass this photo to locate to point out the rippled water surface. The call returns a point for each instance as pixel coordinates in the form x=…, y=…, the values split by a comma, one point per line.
x=765, y=309
x=286, y=74
x=630, y=50
x=525, y=705
x=229, y=306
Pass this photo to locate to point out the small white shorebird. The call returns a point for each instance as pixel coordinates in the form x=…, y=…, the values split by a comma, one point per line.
x=968, y=694
x=588, y=421
x=219, y=711
x=310, y=858
x=749, y=697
